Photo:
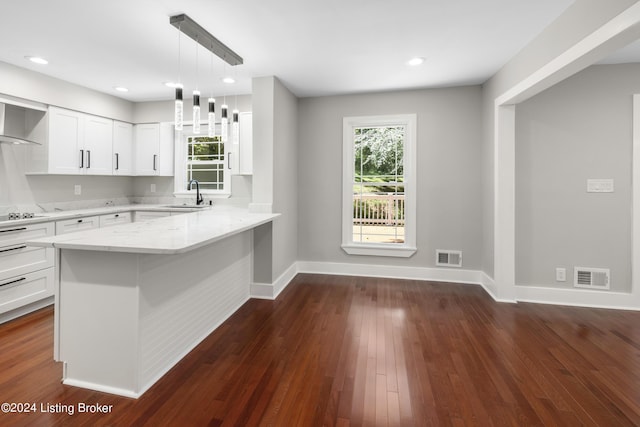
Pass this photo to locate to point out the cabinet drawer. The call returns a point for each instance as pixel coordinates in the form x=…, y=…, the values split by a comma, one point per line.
x=25, y=289
x=115, y=219
x=16, y=257
x=11, y=236
x=71, y=225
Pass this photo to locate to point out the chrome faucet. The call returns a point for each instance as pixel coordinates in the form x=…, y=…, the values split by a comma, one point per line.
x=199, y=199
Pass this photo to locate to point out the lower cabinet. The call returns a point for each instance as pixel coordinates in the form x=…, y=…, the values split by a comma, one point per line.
x=24, y=289
x=114, y=219
x=77, y=224
x=26, y=273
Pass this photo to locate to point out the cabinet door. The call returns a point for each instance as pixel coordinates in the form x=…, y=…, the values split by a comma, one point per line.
x=122, y=148
x=246, y=144
x=167, y=133
x=147, y=145
x=98, y=143
x=66, y=133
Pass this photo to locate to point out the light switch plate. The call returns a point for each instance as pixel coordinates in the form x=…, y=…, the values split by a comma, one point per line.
x=77, y=189
x=561, y=274
x=600, y=186
x=153, y=188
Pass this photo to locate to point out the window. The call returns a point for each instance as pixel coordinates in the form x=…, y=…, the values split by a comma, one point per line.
x=379, y=185
x=204, y=159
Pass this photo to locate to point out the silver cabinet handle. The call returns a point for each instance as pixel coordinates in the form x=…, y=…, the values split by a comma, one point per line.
x=88, y=159
x=117, y=161
x=81, y=159
x=229, y=160
x=13, y=229
x=14, y=249
x=155, y=157
x=14, y=281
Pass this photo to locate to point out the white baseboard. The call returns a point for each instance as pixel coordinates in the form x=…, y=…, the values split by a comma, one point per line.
x=578, y=297
x=272, y=290
x=533, y=294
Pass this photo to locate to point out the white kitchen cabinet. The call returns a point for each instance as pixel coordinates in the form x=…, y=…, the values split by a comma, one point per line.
x=153, y=149
x=114, y=219
x=76, y=144
x=77, y=224
x=26, y=272
x=245, y=154
x=146, y=215
x=122, y=148
x=17, y=258
x=27, y=288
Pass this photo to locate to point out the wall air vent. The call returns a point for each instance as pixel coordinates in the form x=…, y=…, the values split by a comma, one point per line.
x=591, y=278
x=446, y=258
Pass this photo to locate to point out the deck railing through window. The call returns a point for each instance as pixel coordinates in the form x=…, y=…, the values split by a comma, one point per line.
x=378, y=209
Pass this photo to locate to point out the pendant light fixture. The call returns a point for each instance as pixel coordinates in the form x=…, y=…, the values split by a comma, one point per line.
x=191, y=28
x=224, y=123
x=235, y=127
x=211, y=115
x=196, y=98
x=179, y=107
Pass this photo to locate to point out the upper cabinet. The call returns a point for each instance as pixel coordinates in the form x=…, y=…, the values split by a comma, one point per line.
x=153, y=149
x=245, y=156
x=82, y=144
x=240, y=156
x=77, y=144
x=122, y=148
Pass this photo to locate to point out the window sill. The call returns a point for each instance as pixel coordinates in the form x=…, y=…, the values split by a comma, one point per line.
x=399, y=251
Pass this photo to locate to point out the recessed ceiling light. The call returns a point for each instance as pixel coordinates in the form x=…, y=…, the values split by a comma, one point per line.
x=121, y=89
x=172, y=85
x=415, y=61
x=228, y=80
x=37, y=60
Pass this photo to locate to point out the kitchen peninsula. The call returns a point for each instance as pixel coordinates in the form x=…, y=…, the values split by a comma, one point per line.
x=134, y=299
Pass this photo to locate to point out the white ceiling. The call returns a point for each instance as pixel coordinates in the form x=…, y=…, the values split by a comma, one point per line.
x=316, y=48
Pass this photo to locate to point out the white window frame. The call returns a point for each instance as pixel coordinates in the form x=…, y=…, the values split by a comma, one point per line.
x=408, y=248
x=180, y=181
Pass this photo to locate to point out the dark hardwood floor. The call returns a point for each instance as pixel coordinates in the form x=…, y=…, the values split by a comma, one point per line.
x=350, y=351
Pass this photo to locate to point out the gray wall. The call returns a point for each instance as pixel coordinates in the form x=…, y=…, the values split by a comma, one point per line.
x=579, y=20
x=285, y=179
x=448, y=172
x=578, y=129
x=275, y=176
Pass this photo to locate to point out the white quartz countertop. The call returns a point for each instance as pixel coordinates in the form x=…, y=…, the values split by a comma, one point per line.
x=166, y=235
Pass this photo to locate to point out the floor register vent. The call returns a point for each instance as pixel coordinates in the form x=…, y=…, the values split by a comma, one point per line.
x=591, y=278
x=446, y=258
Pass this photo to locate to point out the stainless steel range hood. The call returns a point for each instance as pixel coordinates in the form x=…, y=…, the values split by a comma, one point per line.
x=15, y=115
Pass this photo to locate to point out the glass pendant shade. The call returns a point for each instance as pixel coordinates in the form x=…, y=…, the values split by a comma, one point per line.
x=179, y=110
x=235, y=128
x=196, y=112
x=224, y=125
x=211, y=118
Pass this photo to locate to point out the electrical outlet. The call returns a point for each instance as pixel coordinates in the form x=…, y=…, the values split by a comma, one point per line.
x=561, y=274
x=153, y=188
x=77, y=189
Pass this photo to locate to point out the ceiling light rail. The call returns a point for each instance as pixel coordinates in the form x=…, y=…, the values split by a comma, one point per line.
x=191, y=28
